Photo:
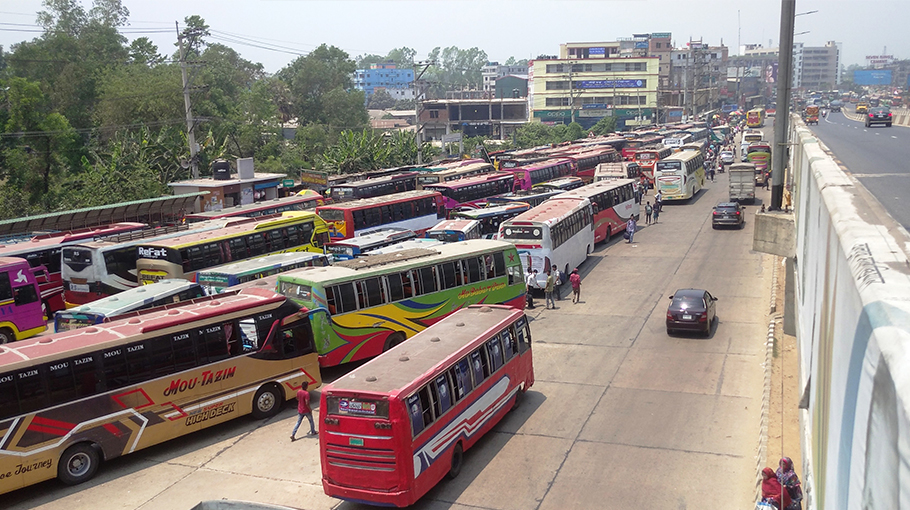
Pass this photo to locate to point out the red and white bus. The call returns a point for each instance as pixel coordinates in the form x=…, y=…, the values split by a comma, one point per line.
x=446, y=173
x=303, y=201
x=412, y=210
x=491, y=216
x=394, y=427
x=586, y=161
x=45, y=250
x=633, y=146
x=472, y=192
x=614, y=202
x=647, y=159
x=527, y=176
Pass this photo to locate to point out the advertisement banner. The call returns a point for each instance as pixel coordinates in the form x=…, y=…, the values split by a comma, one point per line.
x=594, y=106
x=552, y=114
x=312, y=177
x=609, y=84
x=870, y=77
x=596, y=51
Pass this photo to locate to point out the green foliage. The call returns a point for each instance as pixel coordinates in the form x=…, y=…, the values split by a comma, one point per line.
x=402, y=57
x=455, y=68
x=536, y=133
x=381, y=100
x=365, y=150
x=604, y=126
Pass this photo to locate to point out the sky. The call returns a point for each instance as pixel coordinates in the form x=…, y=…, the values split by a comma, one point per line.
x=275, y=32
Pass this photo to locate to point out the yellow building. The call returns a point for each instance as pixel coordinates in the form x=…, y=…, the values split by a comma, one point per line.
x=600, y=83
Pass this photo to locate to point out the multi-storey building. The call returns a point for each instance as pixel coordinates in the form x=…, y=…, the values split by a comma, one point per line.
x=473, y=113
x=698, y=79
x=397, y=82
x=821, y=67
x=593, y=82
x=493, y=71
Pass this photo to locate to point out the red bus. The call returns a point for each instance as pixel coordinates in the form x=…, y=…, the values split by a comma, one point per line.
x=472, y=192
x=614, y=202
x=633, y=146
x=305, y=200
x=394, y=427
x=411, y=210
x=45, y=250
x=587, y=161
x=375, y=186
x=527, y=176
x=648, y=157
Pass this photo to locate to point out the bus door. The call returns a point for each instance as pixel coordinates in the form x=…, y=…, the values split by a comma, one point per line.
x=21, y=313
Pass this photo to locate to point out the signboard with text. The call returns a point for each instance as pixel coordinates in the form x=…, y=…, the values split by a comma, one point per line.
x=312, y=177
x=609, y=84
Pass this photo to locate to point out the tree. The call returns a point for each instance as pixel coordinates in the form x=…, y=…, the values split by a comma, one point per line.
x=456, y=68
x=604, y=126
x=319, y=85
x=381, y=100
x=512, y=62
x=143, y=51
x=193, y=36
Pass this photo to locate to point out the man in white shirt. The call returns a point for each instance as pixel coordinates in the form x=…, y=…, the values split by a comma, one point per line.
x=532, y=284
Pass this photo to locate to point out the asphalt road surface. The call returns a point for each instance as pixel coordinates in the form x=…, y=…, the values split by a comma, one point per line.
x=621, y=415
x=877, y=156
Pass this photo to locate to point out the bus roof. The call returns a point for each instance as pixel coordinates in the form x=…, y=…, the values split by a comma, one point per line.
x=241, y=210
x=72, y=343
x=383, y=235
x=486, y=212
x=549, y=211
x=368, y=202
x=154, y=234
x=212, y=235
x=130, y=299
x=456, y=224
x=380, y=264
x=417, y=242
x=269, y=261
x=542, y=164
x=470, y=181
x=594, y=188
x=44, y=241
x=681, y=156
x=372, y=181
x=404, y=366
x=460, y=168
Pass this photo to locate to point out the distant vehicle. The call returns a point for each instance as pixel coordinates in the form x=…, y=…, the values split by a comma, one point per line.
x=22, y=309
x=304, y=200
x=375, y=187
x=347, y=249
x=836, y=105
x=490, y=217
x=811, y=115
x=451, y=231
x=862, y=107
x=620, y=170
x=727, y=157
x=879, y=115
x=727, y=214
x=742, y=185
x=691, y=310
x=755, y=117
x=217, y=279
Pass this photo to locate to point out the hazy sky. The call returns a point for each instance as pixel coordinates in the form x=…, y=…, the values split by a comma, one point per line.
x=502, y=28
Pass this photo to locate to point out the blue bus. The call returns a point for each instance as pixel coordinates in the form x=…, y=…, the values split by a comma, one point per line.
x=217, y=279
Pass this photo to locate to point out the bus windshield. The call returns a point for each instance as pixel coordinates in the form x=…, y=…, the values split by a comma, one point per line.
x=668, y=167
x=523, y=232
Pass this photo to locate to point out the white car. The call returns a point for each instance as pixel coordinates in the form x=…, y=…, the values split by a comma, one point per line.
x=727, y=157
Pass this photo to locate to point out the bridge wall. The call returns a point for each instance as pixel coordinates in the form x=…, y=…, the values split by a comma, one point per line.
x=853, y=329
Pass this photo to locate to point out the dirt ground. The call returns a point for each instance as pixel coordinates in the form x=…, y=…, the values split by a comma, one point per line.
x=783, y=422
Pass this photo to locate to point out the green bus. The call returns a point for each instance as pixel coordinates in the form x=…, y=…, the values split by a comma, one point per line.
x=362, y=307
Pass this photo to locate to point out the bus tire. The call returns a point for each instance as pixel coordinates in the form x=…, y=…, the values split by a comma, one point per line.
x=393, y=340
x=267, y=402
x=519, y=396
x=457, y=461
x=78, y=464
x=6, y=336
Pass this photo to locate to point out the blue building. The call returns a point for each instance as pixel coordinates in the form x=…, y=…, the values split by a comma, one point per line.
x=397, y=82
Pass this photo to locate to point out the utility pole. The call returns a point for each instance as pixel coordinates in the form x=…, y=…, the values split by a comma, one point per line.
x=188, y=105
x=781, y=150
x=418, y=105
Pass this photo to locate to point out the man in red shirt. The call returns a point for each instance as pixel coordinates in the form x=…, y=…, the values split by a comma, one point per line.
x=303, y=409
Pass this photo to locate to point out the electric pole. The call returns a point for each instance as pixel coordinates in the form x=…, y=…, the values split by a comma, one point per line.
x=187, y=103
x=781, y=150
x=418, y=104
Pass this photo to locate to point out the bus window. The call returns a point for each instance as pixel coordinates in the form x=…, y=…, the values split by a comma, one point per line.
x=426, y=406
x=474, y=270
x=495, y=351
x=463, y=379
x=9, y=402
x=427, y=280
x=396, y=290
x=444, y=401
x=448, y=275
x=31, y=391
x=6, y=290
x=508, y=343
x=138, y=362
x=212, y=344
x=524, y=336
x=415, y=413
x=115, y=370
x=184, y=351
x=478, y=367
x=500, y=259
x=60, y=384
x=375, y=292
x=24, y=295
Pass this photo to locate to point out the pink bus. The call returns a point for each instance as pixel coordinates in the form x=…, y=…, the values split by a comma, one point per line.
x=472, y=192
x=536, y=173
x=21, y=314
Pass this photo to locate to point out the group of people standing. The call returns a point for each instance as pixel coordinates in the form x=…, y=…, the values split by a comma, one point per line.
x=781, y=490
x=551, y=288
x=652, y=213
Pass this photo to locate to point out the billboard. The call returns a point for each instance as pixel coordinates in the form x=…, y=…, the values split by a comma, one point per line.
x=596, y=51
x=609, y=84
x=872, y=77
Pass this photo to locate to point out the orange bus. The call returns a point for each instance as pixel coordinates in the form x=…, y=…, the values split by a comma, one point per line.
x=411, y=210
x=394, y=427
x=647, y=158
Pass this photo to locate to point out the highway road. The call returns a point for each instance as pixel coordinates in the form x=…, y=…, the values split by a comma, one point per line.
x=877, y=156
x=621, y=415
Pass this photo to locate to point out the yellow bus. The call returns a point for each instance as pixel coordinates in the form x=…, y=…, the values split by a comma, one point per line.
x=680, y=176
x=75, y=398
x=755, y=118
x=183, y=257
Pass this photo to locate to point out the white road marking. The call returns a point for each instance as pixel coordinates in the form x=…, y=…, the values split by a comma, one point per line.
x=892, y=136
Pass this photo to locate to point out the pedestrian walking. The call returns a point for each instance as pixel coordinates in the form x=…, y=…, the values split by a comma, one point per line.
x=575, y=280
x=656, y=212
x=548, y=290
x=648, y=211
x=531, y=282
x=303, y=409
x=790, y=482
x=658, y=200
x=559, y=280
x=630, y=228
x=765, y=181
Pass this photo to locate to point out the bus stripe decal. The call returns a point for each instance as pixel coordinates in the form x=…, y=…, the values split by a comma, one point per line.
x=469, y=422
x=12, y=427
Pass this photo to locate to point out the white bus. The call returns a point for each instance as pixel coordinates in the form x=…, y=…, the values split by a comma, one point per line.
x=676, y=140
x=680, y=176
x=557, y=232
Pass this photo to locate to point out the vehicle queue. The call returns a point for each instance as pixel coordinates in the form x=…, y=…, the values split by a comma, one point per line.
x=304, y=304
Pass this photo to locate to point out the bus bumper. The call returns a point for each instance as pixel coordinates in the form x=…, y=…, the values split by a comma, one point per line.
x=389, y=499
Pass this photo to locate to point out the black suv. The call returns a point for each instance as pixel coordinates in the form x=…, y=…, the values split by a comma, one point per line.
x=727, y=214
x=878, y=115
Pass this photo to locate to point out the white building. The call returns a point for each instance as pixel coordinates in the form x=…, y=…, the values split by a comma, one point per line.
x=493, y=71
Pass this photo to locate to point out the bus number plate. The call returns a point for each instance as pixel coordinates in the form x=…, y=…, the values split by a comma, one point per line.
x=79, y=287
x=355, y=441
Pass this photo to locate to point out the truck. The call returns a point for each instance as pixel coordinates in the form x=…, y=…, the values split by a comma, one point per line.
x=812, y=115
x=742, y=186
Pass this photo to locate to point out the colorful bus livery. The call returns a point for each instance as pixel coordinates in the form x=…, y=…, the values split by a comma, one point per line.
x=21, y=311
x=393, y=428
x=412, y=210
x=72, y=399
x=362, y=307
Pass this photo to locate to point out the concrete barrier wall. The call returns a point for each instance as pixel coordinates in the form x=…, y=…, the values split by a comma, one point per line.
x=853, y=329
